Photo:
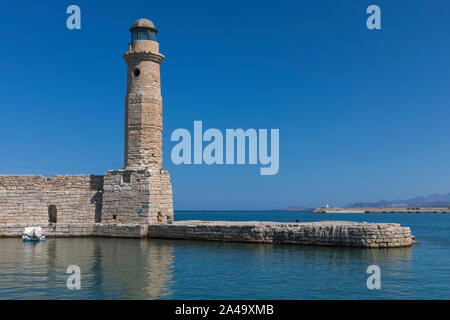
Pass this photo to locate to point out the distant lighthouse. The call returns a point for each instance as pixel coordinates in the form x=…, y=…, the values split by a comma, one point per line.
x=327, y=206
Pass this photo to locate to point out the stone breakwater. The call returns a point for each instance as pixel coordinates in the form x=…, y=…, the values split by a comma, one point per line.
x=80, y=230
x=383, y=210
x=326, y=233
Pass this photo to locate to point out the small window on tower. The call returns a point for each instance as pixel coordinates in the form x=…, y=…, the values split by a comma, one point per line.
x=136, y=72
x=126, y=177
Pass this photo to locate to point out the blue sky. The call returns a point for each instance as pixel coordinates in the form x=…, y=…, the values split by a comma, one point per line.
x=363, y=114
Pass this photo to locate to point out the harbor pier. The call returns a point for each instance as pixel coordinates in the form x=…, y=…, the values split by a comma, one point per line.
x=383, y=210
x=324, y=233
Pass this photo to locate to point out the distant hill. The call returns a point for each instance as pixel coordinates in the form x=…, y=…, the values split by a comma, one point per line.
x=433, y=200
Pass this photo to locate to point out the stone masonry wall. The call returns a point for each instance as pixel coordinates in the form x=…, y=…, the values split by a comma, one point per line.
x=143, y=109
x=161, y=196
x=79, y=230
x=78, y=198
x=137, y=196
x=326, y=233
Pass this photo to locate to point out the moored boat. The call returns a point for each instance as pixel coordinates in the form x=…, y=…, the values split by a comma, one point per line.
x=33, y=234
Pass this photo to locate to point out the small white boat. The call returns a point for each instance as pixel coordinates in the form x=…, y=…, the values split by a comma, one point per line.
x=33, y=234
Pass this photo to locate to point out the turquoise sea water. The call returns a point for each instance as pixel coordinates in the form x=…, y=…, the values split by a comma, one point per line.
x=177, y=269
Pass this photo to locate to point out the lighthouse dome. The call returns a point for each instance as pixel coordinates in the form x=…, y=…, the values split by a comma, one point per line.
x=143, y=29
x=143, y=23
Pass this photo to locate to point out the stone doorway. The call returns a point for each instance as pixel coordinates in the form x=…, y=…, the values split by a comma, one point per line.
x=52, y=213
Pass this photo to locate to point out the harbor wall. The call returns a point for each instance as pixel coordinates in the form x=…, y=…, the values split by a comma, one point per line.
x=326, y=233
x=79, y=230
x=145, y=197
x=143, y=206
x=33, y=198
x=384, y=210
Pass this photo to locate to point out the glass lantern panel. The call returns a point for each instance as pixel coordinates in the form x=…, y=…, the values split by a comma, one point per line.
x=142, y=35
x=151, y=35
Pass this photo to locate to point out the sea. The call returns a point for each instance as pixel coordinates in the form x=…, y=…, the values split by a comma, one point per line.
x=112, y=268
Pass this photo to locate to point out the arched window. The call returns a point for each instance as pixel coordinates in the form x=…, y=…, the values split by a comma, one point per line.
x=52, y=213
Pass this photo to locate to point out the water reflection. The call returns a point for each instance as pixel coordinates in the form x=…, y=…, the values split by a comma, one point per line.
x=125, y=269
x=212, y=270
x=111, y=268
x=164, y=269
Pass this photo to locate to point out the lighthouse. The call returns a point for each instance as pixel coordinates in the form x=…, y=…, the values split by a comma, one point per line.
x=143, y=103
x=141, y=192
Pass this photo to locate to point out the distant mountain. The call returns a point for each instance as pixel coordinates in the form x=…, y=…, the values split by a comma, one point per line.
x=433, y=200
x=294, y=208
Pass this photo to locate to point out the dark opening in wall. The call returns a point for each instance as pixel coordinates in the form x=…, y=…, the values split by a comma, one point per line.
x=136, y=72
x=97, y=199
x=52, y=213
x=126, y=177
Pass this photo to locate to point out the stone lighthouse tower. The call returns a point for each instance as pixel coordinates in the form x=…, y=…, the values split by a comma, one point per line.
x=141, y=192
x=143, y=105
